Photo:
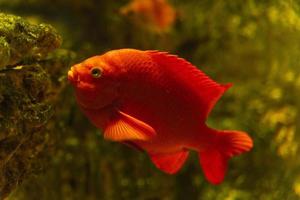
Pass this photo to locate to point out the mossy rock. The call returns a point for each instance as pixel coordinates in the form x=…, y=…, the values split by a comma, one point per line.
x=27, y=94
x=20, y=40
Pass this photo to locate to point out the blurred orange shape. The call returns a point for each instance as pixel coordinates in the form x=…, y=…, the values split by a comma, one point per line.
x=157, y=13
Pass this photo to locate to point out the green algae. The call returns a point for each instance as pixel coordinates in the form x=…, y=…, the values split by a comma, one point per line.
x=27, y=94
x=21, y=40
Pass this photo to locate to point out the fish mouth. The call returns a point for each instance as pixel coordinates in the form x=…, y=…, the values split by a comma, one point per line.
x=72, y=75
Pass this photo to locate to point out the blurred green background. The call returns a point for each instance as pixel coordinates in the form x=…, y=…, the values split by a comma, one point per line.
x=255, y=44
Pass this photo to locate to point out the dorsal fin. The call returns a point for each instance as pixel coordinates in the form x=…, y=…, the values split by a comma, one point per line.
x=207, y=90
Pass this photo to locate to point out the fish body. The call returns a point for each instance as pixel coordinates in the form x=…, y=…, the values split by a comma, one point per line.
x=158, y=13
x=159, y=103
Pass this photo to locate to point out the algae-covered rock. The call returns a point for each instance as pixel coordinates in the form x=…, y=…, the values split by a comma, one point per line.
x=27, y=93
x=4, y=52
x=20, y=39
x=23, y=114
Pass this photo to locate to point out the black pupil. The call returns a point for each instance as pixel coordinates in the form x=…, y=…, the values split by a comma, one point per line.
x=96, y=72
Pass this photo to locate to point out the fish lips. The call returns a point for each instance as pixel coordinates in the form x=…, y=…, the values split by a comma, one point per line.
x=72, y=76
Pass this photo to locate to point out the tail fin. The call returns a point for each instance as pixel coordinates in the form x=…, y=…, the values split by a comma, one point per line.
x=214, y=159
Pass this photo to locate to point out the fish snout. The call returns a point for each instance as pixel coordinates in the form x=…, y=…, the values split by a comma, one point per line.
x=72, y=75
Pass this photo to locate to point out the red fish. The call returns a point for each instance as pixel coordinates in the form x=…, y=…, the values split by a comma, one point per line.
x=158, y=13
x=159, y=103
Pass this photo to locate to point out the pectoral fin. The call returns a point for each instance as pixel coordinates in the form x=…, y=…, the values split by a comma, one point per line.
x=125, y=127
x=170, y=163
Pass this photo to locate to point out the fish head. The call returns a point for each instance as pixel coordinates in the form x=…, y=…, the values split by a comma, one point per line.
x=95, y=82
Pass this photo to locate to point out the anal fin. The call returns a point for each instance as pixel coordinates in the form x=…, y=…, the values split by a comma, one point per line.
x=214, y=165
x=214, y=159
x=170, y=163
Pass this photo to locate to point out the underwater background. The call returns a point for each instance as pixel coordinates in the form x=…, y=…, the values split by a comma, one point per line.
x=49, y=150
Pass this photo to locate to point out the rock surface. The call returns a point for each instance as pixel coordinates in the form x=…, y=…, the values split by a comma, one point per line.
x=27, y=92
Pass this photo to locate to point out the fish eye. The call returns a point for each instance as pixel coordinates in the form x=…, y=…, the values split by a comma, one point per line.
x=96, y=72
